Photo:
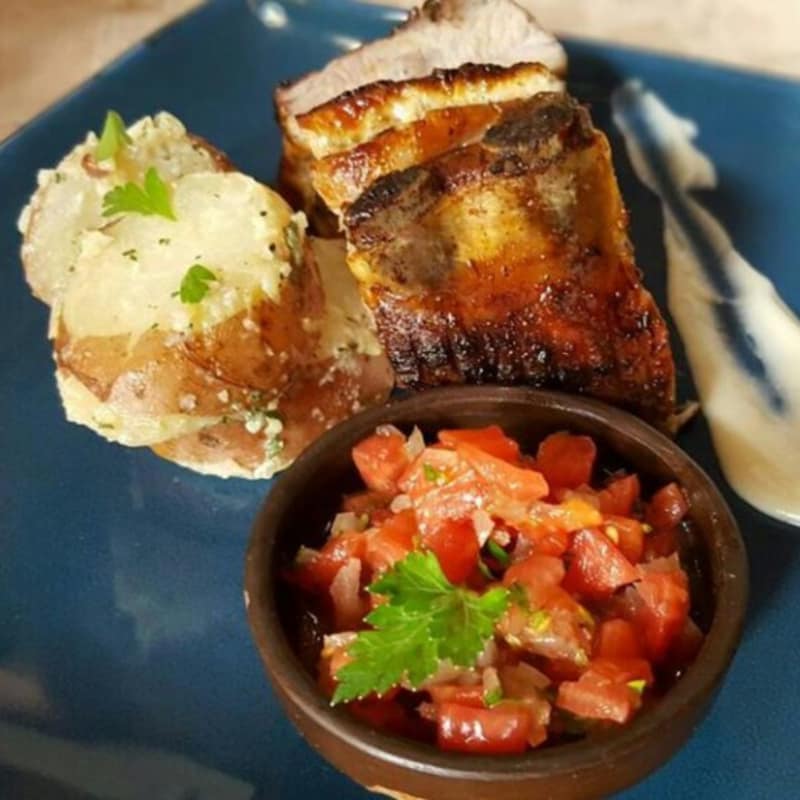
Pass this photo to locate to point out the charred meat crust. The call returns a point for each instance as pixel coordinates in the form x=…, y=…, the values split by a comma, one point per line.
x=516, y=145
x=622, y=356
x=340, y=178
x=508, y=261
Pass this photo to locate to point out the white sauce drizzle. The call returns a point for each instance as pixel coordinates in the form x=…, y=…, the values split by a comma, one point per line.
x=752, y=402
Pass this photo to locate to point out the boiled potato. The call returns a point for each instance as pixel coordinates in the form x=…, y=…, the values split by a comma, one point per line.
x=232, y=376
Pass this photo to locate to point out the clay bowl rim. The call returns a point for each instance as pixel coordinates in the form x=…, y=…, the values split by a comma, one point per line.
x=291, y=679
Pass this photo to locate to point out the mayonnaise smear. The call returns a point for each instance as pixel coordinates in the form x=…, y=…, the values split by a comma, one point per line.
x=741, y=339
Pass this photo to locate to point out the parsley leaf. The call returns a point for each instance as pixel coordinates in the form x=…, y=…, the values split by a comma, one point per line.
x=498, y=553
x=194, y=286
x=152, y=198
x=425, y=620
x=113, y=138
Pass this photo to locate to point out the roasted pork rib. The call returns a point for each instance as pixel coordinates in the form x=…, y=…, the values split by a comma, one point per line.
x=507, y=260
x=484, y=225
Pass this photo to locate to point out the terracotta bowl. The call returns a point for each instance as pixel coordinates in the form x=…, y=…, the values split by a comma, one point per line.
x=307, y=496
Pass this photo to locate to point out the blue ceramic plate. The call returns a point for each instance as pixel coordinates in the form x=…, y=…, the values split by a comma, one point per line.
x=126, y=666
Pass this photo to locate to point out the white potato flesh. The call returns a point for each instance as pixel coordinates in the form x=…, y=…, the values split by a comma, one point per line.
x=69, y=199
x=126, y=278
x=347, y=324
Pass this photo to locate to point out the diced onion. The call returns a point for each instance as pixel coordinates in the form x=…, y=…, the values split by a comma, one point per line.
x=520, y=679
x=344, y=592
x=415, y=444
x=337, y=641
x=484, y=525
x=489, y=655
x=348, y=521
x=491, y=681
x=447, y=672
x=400, y=503
x=501, y=537
x=388, y=430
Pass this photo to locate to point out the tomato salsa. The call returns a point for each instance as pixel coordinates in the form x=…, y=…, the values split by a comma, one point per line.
x=491, y=600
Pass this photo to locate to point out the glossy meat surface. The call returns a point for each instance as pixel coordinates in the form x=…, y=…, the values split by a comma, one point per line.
x=507, y=260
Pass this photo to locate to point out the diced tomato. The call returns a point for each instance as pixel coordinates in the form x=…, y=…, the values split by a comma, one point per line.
x=623, y=670
x=596, y=696
x=667, y=507
x=455, y=500
x=665, y=596
x=365, y=502
x=379, y=516
x=559, y=598
x=629, y=536
x=442, y=486
x=456, y=547
x=566, y=460
x=549, y=527
x=660, y=544
x=390, y=542
x=598, y=567
x=517, y=483
x=549, y=542
x=617, y=638
x=583, y=493
x=380, y=460
x=502, y=729
x=471, y=696
x=620, y=496
x=317, y=573
x=491, y=440
x=537, y=573
x=387, y=714
x=562, y=669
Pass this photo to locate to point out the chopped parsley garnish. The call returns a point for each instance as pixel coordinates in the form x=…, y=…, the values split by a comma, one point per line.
x=152, y=198
x=432, y=474
x=493, y=697
x=425, y=621
x=274, y=447
x=195, y=283
x=131, y=254
x=113, y=137
x=497, y=553
x=164, y=240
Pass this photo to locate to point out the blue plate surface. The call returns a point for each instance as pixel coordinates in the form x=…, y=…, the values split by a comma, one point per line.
x=126, y=667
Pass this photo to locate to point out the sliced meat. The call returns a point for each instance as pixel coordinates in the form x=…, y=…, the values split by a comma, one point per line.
x=358, y=116
x=340, y=178
x=442, y=34
x=396, y=80
x=374, y=126
x=507, y=260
